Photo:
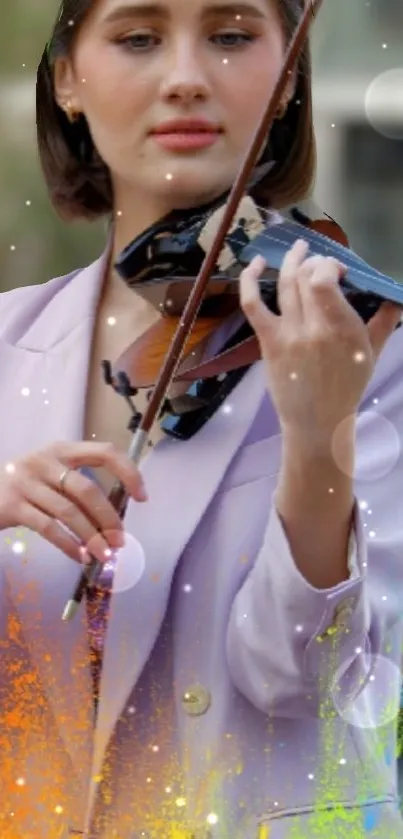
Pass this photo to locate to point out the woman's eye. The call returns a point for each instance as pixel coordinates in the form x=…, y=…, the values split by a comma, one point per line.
x=229, y=40
x=140, y=41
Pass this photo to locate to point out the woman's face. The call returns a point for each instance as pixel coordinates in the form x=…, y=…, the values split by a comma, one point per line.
x=139, y=64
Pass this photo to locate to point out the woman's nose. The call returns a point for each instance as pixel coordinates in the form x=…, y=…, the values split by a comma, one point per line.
x=184, y=77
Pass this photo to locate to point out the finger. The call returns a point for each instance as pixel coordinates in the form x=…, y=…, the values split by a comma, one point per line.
x=321, y=294
x=88, y=497
x=257, y=313
x=289, y=298
x=60, y=509
x=103, y=455
x=37, y=521
x=383, y=324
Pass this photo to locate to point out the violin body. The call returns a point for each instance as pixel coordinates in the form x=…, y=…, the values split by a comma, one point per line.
x=169, y=255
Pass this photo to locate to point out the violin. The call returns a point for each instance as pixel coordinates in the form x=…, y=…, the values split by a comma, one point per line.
x=193, y=262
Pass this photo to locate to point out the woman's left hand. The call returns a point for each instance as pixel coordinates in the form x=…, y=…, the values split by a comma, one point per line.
x=319, y=354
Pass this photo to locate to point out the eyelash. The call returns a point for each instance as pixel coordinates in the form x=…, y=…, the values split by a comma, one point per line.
x=245, y=38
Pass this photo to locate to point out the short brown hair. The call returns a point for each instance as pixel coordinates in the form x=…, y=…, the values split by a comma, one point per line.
x=79, y=181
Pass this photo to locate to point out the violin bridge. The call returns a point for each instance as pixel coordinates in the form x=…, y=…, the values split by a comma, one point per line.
x=247, y=224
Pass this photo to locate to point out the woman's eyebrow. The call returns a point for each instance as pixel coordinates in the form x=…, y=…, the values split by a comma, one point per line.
x=153, y=10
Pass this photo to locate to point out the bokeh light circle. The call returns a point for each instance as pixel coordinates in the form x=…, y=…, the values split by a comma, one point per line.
x=382, y=459
x=383, y=95
x=124, y=567
x=366, y=691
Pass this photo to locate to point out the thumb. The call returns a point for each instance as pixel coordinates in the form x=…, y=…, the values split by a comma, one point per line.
x=382, y=324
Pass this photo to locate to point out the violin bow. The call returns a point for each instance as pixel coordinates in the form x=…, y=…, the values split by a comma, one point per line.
x=118, y=495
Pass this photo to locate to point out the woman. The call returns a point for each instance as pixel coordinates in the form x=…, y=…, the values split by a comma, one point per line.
x=231, y=664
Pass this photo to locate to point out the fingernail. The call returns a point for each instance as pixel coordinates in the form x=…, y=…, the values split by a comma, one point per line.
x=116, y=539
x=142, y=492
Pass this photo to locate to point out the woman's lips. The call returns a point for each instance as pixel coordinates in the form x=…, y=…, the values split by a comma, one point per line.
x=186, y=140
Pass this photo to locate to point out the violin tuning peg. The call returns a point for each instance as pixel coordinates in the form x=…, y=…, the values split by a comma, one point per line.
x=124, y=385
x=134, y=422
x=107, y=372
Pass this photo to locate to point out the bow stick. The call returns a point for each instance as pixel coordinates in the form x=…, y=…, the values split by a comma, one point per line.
x=118, y=495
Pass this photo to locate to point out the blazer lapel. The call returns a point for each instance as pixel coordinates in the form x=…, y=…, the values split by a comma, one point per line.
x=43, y=382
x=181, y=479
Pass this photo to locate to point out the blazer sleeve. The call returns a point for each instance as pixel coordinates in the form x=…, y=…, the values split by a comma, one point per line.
x=290, y=645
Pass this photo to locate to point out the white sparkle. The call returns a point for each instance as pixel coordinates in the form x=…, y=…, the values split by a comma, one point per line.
x=311, y=776
x=10, y=468
x=155, y=749
x=331, y=490
x=299, y=627
x=18, y=547
x=111, y=321
x=364, y=564
x=44, y=390
x=212, y=818
x=293, y=376
x=27, y=203
x=20, y=782
x=187, y=588
x=169, y=176
x=363, y=505
x=372, y=678
x=25, y=391
x=384, y=597
x=384, y=46
x=342, y=761
x=168, y=790
x=227, y=409
x=12, y=247
x=225, y=61
x=358, y=650
x=119, y=213
x=131, y=709
x=372, y=534
x=375, y=401
x=359, y=357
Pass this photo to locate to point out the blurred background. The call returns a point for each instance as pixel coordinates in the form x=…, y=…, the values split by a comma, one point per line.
x=358, y=99
x=358, y=96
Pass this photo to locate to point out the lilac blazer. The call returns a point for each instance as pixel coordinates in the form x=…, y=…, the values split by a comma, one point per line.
x=237, y=702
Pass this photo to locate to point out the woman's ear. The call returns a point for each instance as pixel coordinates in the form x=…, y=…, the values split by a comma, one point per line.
x=64, y=84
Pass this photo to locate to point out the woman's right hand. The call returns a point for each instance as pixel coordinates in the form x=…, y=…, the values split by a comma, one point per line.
x=32, y=496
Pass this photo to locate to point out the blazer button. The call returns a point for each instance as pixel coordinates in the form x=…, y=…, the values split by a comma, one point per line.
x=196, y=700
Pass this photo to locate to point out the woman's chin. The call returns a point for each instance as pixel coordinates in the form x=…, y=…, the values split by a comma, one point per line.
x=187, y=192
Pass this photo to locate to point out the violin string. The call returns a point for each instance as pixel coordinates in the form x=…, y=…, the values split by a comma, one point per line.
x=284, y=238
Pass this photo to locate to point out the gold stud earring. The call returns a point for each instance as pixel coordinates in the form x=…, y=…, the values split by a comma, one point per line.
x=71, y=112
